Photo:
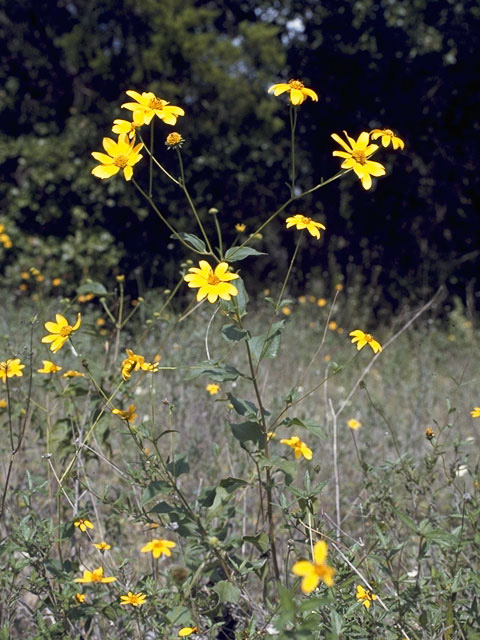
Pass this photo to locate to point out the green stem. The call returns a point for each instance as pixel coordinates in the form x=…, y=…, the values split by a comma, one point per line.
x=280, y=297
x=150, y=178
x=293, y=125
x=155, y=161
x=219, y=236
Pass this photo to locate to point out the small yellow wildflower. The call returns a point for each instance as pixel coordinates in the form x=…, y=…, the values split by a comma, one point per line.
x=127, y=127
x=85, y=297
x=73, y=374
x=356, y=157
x=212, y=388
x=240, y=227
x=134, y=362
x=354, y=424
x=3, y=404
x=388, y=137
x=25, y=275
x=302, y=222
x=129, y=414
x=147, y=106
x=429, y=433
x=362, y=339
x=95, y=576
x=476, y=412
x=40, y=278
x=60, y=331
x=313, y=572
x=365, y=596
x=299, y=447
x=339, y=287
x=23, y=287
x=174, y=140
x=80, y=597
x=102, y=546
x=135, y=599
x=321, y=302
x=271, y=435
x=121, y=155
x=332, y=325
x=298, y=92
x=6, y=240
x=49, y=367
x=83, y=524
x=302, y=299
x=159, y=547
x=286, y=311
x=187, y=631
x=56, y=282
x=12, y=367
x=212, y=284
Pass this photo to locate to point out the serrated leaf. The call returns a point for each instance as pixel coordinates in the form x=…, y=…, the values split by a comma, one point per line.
x=192, y=240
x=227, y=592
x=232, y=333
x=234, y=254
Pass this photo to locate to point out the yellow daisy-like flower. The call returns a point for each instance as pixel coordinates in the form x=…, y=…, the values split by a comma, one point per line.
x=240, y=227
x=159, y=547
x=187, y=631
x=313, y=572
x=365, y=596
x=49, y=367
x=102, y=546
x=95, y=576
x=121, y=155
x=212, y=283
x=212, y=389
x=354, y=424
x=60, y=331
x=429, y=433
x=129, y=414
x=73, y=374
x=174, y=140
x=302, y=222
x=147, y=106
x=356, y=156
x=135, y=599
x=3, y=404
x=83, y=524
x=298, y=92
x=12, y=367
x=362, y=338
x=388, y=137
x=80, y=597
x=299, y=447
x=56, y=282
x=332, y=325
x=134, y=362
x=127, y=126
x=475, y=413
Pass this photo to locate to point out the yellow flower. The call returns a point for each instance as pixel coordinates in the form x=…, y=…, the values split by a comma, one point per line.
x=212, y=388
x=475, y=413
x=102, y=546
x=212, y=284
x=354, y=424
x=5, y=240
x=240, y=227
x=95, y=576
x=134, y=362
x=388, y=137
x=302, y=222
x=339, y=287
x=135, y=599
x=286, y=311
x=174, y=140
x=332, y=325
x=25, y=275
x=3, y=403
x=129, y=414
x=321, y=302
x=83, y=524
x=49, y=367
x=86, y=297
x=313, y=572
x=125, y=126
x=80, y=597
x=73, y=374
x=148, y=105
x=187, y=631
x=429, y=433
x=362, y=339
x=302, y=299
x=298, y=92
x=121, y=155
x=56, y=282
x=299, y=447
x=12, y=367
x=365, y=596
x=60, y=331
x=159, y=547
x=356, y=157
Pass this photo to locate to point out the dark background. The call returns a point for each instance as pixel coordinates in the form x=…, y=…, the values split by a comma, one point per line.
x=410, y=66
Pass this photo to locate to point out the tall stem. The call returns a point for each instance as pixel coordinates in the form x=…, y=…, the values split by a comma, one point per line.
x=150, y=178
x=293, y=125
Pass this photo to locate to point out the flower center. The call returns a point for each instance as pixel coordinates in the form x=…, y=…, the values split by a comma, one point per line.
x=296, y=84
x=213, y=279
x=65, y=331
x=360, y=157
x=388, y=132
x=156, y=103
x=368, y=337
x=306, y=220
x=120, y=161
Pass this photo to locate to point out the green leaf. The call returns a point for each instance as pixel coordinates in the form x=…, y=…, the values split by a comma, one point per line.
x=92, y=287
x=231, y=484
x=179, y=466
x=260, y=541
x=192, y=240
x=267, y=345
x=216, y=372
x=248, y=431
x=234, y=254
x=238, y=303
x=227, y=592
x=154, y=489
x=244, y=407
x=232, y=333
x=162, y=507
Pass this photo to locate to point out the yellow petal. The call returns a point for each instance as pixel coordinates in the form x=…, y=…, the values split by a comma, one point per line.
x=104, y=171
